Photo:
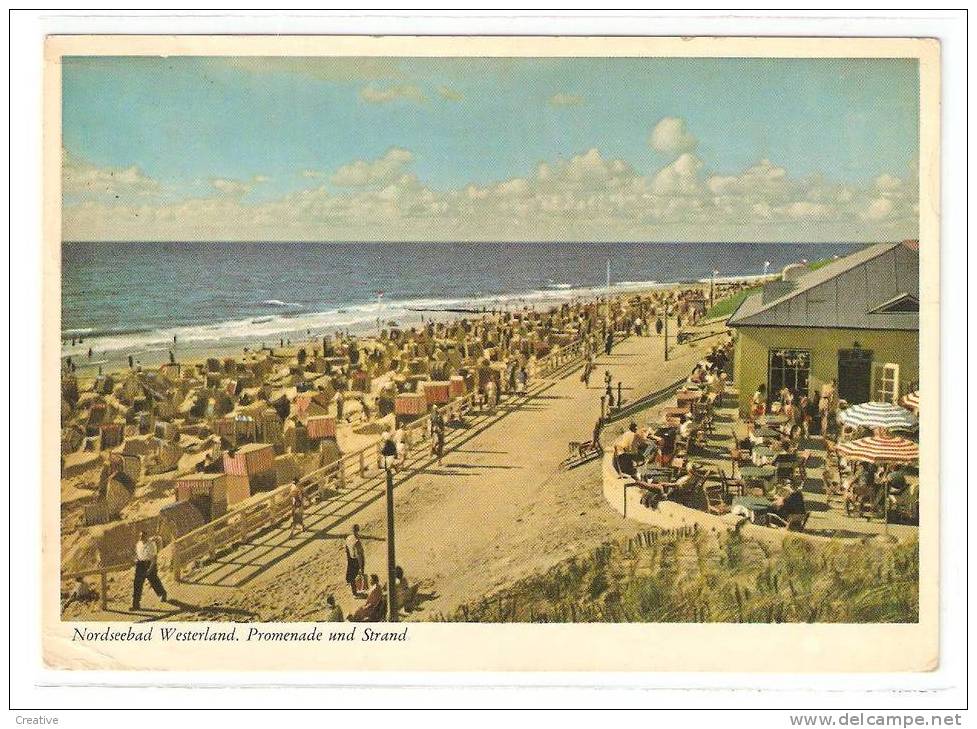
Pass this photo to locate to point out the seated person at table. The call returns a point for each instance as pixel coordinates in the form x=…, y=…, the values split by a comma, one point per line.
x=861, y=483
x=624, y=460
x=792, y=503
x=753, y=435
x=685, y=428
x=645, y=446
x=896, y=480
x=759, y=404
x=892, y=481
x=666, y=444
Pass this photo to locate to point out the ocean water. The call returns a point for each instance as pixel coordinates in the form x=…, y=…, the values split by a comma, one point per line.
x=135, y=297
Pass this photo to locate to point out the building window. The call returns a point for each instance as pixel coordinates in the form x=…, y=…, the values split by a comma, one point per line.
x=887, y=383
x=790, y=368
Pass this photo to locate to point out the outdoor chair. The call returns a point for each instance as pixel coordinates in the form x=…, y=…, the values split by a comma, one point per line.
x=739, y=456
x=715, y=503
x=732, y=486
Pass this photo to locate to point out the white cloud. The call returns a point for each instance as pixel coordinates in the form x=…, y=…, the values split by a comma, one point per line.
x=373, y=172
x=564, y=99
x=404, y=92
x=681, y=177
x=82, y=179
x=586, y=196
x=237, y=188
x=887, y=183
x=879, y=208
x=672, y=137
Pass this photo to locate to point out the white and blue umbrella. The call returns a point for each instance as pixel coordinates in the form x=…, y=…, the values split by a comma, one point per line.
x=878, y=415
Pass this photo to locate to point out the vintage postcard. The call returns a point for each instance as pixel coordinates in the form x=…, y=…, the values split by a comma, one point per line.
x=491, y=353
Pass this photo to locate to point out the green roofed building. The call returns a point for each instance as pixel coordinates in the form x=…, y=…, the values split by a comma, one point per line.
x=855, y=320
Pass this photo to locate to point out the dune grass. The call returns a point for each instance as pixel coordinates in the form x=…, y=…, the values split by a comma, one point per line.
x=724, y=308
x=697, y=577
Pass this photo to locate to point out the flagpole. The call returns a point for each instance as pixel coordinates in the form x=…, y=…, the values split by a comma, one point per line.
x=379, y=313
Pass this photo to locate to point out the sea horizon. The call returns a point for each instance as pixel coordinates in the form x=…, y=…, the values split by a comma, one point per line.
x=136, y=296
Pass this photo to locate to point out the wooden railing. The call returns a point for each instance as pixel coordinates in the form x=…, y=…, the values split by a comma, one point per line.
x=103, y=575
x=361, y=466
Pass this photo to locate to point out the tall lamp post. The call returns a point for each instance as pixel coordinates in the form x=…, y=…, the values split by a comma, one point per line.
x=393, y=609
x=712, y=289
x=666, y=331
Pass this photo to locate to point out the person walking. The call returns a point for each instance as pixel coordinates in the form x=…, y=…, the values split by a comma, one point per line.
x=147, y=548
x=438, y=444
x=298, y=509
x=355, y=559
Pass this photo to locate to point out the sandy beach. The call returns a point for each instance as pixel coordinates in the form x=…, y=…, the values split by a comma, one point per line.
x=496, y=509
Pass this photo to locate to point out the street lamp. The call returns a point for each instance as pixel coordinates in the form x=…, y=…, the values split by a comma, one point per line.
x=393, y=610
x=667, y=307
x=712, y=289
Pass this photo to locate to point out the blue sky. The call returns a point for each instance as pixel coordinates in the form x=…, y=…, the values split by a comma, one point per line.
x=186, y=121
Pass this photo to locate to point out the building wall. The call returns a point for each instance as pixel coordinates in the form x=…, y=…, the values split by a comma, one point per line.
x=753, y=345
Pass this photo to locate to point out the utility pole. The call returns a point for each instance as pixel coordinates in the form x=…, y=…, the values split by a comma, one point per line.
x=666, y=332
x=393, y=609
x=379, y=312
x=712, y=289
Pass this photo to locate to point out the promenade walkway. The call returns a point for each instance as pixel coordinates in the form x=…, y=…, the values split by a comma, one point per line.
x=497, y=509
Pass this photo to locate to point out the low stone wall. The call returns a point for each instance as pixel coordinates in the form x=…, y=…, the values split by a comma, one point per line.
x=670, y=515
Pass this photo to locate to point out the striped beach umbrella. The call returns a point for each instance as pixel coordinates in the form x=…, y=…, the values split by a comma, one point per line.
x=878, y=415
x=911, y=400
x=880, y=448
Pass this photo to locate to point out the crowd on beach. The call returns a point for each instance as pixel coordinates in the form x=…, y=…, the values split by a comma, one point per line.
x=134, y=439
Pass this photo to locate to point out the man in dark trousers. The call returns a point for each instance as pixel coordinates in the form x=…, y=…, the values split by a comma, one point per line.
x=146, y=550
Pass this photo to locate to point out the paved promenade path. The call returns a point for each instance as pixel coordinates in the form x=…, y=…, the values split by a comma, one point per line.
x=496, y=510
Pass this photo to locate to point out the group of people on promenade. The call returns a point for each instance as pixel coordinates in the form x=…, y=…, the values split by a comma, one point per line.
x=369, y=588
x=805, y=413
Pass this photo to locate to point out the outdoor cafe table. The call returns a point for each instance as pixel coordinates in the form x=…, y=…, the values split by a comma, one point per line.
x=763, y=456
x=757, y=506
x=685, y=398
x=762, y=475
x=774, y=419
x=676, y=412
x=658, y=474
x=768, y=433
